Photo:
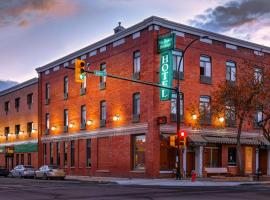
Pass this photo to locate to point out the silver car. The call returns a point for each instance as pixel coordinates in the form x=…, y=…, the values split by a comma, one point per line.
x=50, y=172
x=23, y=171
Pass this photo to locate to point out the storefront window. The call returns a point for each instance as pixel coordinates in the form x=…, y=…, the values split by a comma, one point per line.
x=232, y=156
x=212, y=156
x=139, y=152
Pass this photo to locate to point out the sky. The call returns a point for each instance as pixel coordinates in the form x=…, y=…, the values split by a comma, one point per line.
x=36, y=32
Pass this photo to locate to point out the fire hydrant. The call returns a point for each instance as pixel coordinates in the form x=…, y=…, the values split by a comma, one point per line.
x=193, y=176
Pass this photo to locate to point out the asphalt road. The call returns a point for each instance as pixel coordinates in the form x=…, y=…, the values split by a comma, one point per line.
x=29, y=189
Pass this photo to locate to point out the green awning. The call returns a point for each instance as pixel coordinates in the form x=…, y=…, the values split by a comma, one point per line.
x=2, y=149
x=22, y=148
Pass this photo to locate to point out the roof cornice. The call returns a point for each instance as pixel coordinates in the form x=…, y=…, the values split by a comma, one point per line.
x=19, y=86
x=153, y=20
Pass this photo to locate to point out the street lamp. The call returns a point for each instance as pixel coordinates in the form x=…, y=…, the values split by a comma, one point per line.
x=177, y=90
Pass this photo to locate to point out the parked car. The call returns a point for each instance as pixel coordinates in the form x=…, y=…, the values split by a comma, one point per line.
x=50, y=172
x=23, y=171
x=3, y=171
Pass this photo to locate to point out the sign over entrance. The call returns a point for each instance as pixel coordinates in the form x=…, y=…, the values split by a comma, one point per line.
x=166, y=75
x=166, y=42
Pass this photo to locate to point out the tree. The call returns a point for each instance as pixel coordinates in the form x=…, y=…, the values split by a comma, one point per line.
x=239, y=96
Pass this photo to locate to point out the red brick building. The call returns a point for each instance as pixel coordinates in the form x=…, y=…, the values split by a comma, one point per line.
x=108, y=127
x=19, y=124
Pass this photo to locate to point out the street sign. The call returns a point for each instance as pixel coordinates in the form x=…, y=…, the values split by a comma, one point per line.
x=100, y=73
x=166, y=75
x=166, y=42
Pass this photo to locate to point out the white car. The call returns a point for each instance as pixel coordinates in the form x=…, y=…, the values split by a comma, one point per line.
x=23, y=171
x=50, y=172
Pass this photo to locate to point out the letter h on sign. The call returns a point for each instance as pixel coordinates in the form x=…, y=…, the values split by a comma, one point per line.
x=166, y=75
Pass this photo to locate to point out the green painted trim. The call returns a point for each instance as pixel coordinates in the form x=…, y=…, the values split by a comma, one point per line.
x=25, y=148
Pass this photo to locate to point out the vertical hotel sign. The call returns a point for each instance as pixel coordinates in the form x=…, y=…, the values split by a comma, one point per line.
x=165, y=46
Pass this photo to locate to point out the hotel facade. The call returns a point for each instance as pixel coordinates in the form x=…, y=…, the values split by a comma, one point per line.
x=110, y=127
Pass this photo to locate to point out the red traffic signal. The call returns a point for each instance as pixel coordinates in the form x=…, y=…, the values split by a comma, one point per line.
x=182, y=138
x=182, y=134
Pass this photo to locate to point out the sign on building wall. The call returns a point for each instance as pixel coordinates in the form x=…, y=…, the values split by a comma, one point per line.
x=166, y=75
x=166, y=42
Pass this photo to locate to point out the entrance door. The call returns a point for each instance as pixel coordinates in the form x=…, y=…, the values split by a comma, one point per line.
x=9, y=163
x=190, y=162
x=263, y=161
x=248, y=160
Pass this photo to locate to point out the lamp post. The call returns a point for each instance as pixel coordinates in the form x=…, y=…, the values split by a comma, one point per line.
x=177, y=90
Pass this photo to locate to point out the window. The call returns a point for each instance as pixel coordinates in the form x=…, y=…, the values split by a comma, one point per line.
x=258, y=118
x=66, y=118
x=30, y=100
x=22, y=159
x=102, y=80
x=29, y=160
x=29, y=128
x=212, y=156
x=258, y=74
x=6, y=132
x=88, y=152
x=103, y=110
x=232, y=156
x=17, y=129
x=136, y=103
x=66, y=86
x=72, y=153
x=47, y=92
x=51, y=153
x=136, y=64
x=173, y=106
x=230, y=119
x=230, y=71
x=58, y=153
x=83, y=84
x=17, y=104
x=83, y=116
x=177, y=55
x=139, y=152
x=205, y=69
x=65, y=153
x=44, y=153
x=7, y=106
x=47, y=122
x=205, y=115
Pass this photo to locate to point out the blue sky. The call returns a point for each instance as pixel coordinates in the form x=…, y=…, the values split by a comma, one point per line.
x=36, y=32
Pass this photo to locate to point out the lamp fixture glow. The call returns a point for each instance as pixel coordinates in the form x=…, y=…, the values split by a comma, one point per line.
x=116, y=117
x=71, y=125
x=221, y=119
x=21, y=132
x=53, y=128
x=194, y=116
x=89, y=122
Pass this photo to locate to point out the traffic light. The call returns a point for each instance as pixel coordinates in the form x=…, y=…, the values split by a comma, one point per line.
x=79, y=71
x=182, y=138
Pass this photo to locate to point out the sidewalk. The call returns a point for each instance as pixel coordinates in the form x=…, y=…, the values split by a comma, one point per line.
x=161, y=182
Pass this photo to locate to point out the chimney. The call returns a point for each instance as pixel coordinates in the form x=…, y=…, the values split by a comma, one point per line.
x=119, y=28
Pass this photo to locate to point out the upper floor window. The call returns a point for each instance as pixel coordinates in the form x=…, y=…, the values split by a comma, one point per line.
x=136, y=107
x=177, y=55
x=65, y=85
x=258, y=74
x=65, y=118
x=103, y=111
x=83, y=116
x=258, y=118
x=47, y=122
x=17, y=129
x=30, y=100
x=230, y=71
x=136, y=64
x=102, y=80
x=17, y=104
x=29, y=128
x=83, y=87
x=7, y=106
x=47, y=93
x=205, y=113
x=205, y=69
x=230, y=118
x=6, y=131
x=174, y=106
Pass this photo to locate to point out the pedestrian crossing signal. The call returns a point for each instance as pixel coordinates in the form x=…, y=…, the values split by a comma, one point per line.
x=80, y=74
